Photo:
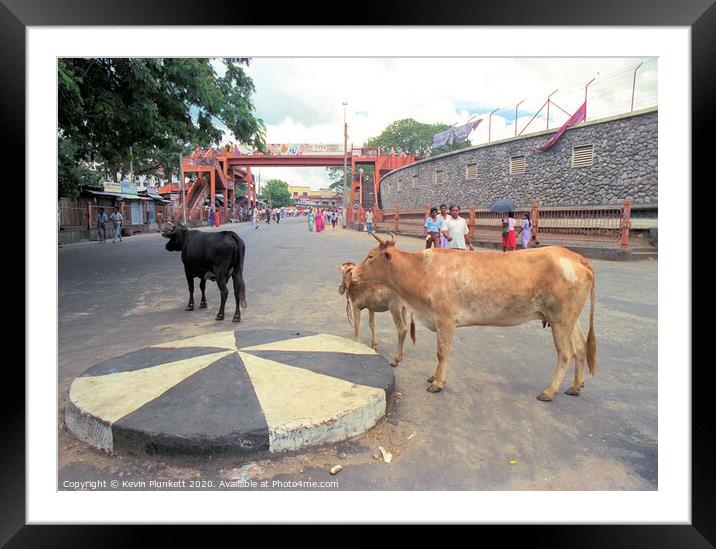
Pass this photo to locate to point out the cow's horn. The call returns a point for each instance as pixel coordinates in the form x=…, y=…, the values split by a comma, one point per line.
x=392, y=236
x=383, y=242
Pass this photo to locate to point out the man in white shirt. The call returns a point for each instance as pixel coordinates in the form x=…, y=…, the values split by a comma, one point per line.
x=454, y=229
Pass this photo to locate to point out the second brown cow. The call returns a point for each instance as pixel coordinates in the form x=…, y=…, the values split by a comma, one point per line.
x=377, y=299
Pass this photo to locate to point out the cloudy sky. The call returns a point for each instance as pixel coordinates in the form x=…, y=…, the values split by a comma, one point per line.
x=300, y=99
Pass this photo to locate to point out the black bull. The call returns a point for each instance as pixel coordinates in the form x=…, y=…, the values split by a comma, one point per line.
x=212, y=256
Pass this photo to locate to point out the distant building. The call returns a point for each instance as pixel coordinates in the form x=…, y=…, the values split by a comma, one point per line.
x=320, y=198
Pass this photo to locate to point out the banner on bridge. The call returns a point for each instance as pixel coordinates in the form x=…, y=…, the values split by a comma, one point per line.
x=304, y=149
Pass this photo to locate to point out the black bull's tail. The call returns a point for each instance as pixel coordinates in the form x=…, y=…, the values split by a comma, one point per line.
x=238, y=264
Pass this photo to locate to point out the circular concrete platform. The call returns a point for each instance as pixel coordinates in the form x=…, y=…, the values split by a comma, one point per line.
x=231, y=392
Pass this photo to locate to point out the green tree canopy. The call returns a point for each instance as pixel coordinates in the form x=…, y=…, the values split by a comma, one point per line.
x=408, y=136
x=335, y=174
x=148, y=110
x=275, y=192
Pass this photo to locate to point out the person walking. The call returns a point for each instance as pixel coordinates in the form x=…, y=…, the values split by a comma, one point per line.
x=311, y=218
x=117, y=220
x=320, y=221
x=526, y=231
x=455, y=230
x=101, y=225
x=369, y=220
x=210, y=211
x=334, y=219
x=509, y=240
x=432, y=226
x=268, y=215
x=217, y=216
x=255, y=217
x=442, y=216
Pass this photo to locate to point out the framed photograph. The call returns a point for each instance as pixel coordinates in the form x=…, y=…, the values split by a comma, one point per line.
x=163, y=126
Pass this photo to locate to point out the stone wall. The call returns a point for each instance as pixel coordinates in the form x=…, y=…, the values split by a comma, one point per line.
x=624, y=164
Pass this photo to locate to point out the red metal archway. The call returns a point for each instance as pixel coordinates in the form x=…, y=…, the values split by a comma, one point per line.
x=220, y=169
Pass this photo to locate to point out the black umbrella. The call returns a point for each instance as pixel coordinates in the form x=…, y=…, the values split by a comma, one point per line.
x=503, y=206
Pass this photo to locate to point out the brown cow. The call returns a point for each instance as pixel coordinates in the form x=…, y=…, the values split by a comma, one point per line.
x=377, y=299
x=481, y=289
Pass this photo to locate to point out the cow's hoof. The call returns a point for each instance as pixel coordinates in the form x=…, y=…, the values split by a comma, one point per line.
x=394, y=363
x=236, y=319
x=219, y=317
x=544, y=397
x=203, y=305
x=431, y=379
x=572, y=391
x=189, y=308
x=434, y=388
x=374, y=346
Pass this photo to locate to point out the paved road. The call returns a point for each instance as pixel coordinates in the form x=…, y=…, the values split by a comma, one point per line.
x=115, y=298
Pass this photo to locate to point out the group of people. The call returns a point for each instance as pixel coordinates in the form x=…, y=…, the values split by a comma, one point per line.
x=509, y=234
x=267, y=214
x=212, y=215
x=321, y=218
x=102, y=221
x=445, y=230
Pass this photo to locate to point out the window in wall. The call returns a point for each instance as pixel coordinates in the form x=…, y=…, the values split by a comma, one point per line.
x=471, y=171
x=416, y=182
x=582, y=155
x=400, y=184
x=518, y=164
x=439, y=177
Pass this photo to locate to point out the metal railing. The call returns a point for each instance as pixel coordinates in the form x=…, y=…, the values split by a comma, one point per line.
x=605, y=224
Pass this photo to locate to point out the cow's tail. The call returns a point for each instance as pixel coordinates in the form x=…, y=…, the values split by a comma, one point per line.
x=239, y=264
x=349, y=311
x=412, y=328
x=591, y=337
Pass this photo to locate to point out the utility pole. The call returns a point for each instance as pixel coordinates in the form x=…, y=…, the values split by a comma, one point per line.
x=633, y=87
x=489, y=124
x=345, y=160
x=181, y=184
x=549, y=100
x=518, y=104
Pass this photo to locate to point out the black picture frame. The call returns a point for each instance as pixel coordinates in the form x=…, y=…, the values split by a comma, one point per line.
x=16, y=15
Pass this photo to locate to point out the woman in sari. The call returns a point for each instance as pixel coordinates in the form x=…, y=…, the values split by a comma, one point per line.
x=320, y=223
x=526, y=231
x=509, y=240
x=311, y=218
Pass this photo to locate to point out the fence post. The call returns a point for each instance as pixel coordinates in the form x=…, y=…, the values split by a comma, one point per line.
x=471, y=222
x=625, y=223
x=534, y=218
x=397, y=217
x=89, y=216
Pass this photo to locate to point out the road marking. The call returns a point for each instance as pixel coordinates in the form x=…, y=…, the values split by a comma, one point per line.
x=317, y=343
x=111, y=397
x=301, y=406
x=225, y=340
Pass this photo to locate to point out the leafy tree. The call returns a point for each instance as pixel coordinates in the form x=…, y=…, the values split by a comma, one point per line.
x=147, y=111
x=335, y=174
x=70, y=174
x=275, y=192
x=408, y=136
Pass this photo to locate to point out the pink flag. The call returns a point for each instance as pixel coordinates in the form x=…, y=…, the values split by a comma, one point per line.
x=576, y=118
